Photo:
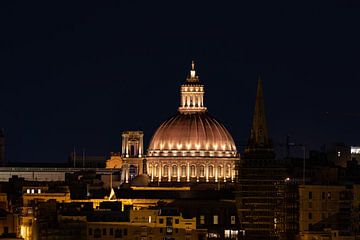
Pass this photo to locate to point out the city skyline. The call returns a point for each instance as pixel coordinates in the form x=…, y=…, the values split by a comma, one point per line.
x=82, y=79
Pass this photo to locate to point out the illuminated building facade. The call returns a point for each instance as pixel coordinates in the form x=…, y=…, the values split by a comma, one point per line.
x=192, y=146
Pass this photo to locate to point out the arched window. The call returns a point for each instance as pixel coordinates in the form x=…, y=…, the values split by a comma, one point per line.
x=174, y=171
x=228, y=170
x=211, y=171
x=156, y=170
x=220, y=171
x=193, y=171
x=183, y=171
x=202, y=171
x=165, y=170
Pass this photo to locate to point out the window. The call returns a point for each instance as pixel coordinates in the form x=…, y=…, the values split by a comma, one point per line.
x=202, y=171
x=228, y=169
x=339, y=153
x=174, y=171
x=202, y=219
x=97, y=233
x=329, y=195
x=219, y=171
x=310, y=195
x=323, y=195
x=149, y=219
x=216, y=219
x=125, y=231
x=183, y=171
x=156, y=170
x=111, y=232
x=166, y=170
x=310, y=204
x=161, y=220
x=27, y=190
x=161, y=230
x=193, y=171
x=118, y=233
x=6, y=230
x=310, y=215
x=176, y=230
x=233, y=220
x=90, y=231
x=104, y=231
x=39, y=191
x=176, y=221
x=211, y=171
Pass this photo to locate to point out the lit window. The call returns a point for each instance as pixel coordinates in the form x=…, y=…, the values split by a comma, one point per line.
x=39, y=191
x=149, y=219
x=202, y=219
x=227, y=233
x=174, y=170
x=166, y=170
x=27, y=190
x=193, y=171
x=219, y=171
x=32, y=191
x=211, y=171
x=233, y=220
x=216, y=219
x=183, y=171
x=202, y=171
x=339, y=153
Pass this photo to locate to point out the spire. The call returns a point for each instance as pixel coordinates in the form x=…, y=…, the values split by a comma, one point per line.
x=259, y=137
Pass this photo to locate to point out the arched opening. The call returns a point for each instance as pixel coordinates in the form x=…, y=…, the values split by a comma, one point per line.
x=183, y=171
x=132, y=150
x=193, y=171
x=174, y=171
x=211, y=171
x=165, y=170
x=202, y=171
x=228, y=170
x=156, y=171
x=220, y=171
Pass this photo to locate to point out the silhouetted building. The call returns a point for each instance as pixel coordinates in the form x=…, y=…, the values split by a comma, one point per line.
x=261, y=178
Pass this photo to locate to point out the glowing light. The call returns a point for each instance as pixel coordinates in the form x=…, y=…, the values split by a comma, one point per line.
x=179, y=146
x=197, y=146
x=188, y=145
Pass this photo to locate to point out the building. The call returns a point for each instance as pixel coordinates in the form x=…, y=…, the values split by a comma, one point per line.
x=192, y=146
x=260, y=196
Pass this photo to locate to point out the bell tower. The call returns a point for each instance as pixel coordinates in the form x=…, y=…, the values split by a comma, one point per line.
x=192, y=94
x=132, y=144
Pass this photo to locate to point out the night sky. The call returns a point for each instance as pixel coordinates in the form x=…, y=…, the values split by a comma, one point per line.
x=78, y=74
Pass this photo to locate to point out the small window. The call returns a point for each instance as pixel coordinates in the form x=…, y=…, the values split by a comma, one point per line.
x=161, y=220
x=97, y=233
x=202, y=219
x=329, y=195
x=176, y=221
x=216, y=219
x=104, y=231
x=310, y=195
x=339, y=153
x=310, y=215
x=90, y=231
x=233, y=220
x=111, y=232
x=27, y=190
x=125, y=231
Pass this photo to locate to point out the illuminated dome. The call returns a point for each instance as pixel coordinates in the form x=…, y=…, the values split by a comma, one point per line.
x=192, y=134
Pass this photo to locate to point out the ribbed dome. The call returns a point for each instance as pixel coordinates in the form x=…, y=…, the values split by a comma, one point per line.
x=192, y=134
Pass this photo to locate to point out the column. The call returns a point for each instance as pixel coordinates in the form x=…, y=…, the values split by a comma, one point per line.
x=169, y=174
x=207, y=172
x=188, y=172
x=127, y=173
x=232, y=172
x=216, y=172
x=152, y=173
x=224, y=171
x=160, y=172
x=178, y=172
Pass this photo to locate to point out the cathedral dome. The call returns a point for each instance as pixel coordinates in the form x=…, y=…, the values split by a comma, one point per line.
x=192, y=132
x=195, y=134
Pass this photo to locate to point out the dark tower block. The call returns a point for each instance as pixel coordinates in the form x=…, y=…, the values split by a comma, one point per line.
x=260, y=196
x=2, y=148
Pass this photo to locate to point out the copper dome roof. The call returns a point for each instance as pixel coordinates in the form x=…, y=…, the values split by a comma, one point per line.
x=192, y=134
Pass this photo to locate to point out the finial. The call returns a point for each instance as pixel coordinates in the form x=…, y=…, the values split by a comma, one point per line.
x=192, y=72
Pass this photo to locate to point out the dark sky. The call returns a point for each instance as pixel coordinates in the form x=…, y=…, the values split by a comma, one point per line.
x=79, y=73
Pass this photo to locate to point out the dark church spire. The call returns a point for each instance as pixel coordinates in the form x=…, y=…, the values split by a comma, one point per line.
x=259, y=140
